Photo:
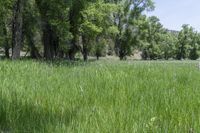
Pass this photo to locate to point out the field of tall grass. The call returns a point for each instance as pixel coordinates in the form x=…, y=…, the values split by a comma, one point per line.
x=99, y=97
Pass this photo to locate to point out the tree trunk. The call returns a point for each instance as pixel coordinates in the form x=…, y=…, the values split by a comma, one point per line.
x=6, y=43
x=61, y=54
x=85, y=49
x=55, y=44
x=47, y=41
x=122, y=54
x=97, y=57
x=7, y=54
x=34, y=53
x=47, y=31
x=74, y=48
x=17, y=29
x=74, y=30
x=85, y=54
x=71, y=54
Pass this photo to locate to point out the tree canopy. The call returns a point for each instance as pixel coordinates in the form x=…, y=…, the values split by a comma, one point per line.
x=66, y=29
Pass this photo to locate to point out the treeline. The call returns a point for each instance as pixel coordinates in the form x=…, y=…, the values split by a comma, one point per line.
x=54, y=29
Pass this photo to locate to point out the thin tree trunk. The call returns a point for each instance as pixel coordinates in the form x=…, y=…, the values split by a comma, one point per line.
x=7, y=54
x=85, y=49
x=85, y=55
x=17, y=29
x=97, y=57
x=6, y=44
x=74, y=48
x=56, y=45
x=71, y=53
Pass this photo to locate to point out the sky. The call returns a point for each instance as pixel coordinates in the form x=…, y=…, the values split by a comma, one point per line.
x=174, y=13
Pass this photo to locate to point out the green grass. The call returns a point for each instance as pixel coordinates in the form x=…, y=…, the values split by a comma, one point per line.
x=99, y=97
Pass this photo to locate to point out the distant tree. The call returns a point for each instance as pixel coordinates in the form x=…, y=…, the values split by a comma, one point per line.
x=195, y=45
x=185, y=42
x=96, y=24
x=153, y=38
x=128, y=13
x=168, y=45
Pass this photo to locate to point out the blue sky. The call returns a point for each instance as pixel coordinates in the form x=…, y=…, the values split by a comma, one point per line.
x=174, y=13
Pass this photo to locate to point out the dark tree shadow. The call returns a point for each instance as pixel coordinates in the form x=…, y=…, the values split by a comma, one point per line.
x=23, y=117
x=55, y=62
x=67, y=63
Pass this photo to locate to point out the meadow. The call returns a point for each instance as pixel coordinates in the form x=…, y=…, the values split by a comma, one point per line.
x=99, y=97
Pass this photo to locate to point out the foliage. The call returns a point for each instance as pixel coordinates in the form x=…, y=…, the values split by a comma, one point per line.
x=188, y=43
x=55, y=29
x=128, y=13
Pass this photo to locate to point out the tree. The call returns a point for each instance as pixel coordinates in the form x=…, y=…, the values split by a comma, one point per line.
x=63, y=28
x=6, y=15
x=195, y=45
x=31, y=27
x=153, y=37
x=17, y=28
x=184, y=42
x=168, y=45
x=55, y=25
x=96, y=24
x=128, y=13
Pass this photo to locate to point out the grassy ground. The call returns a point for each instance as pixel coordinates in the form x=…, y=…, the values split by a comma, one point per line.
x=99, y=97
